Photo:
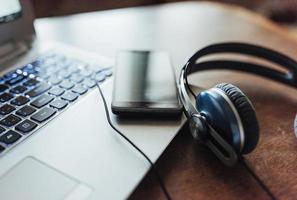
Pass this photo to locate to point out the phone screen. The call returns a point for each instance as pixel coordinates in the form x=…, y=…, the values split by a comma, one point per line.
x=144, y=81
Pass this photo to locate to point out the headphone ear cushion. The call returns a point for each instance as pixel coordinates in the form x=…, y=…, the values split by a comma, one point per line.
x=247, y=115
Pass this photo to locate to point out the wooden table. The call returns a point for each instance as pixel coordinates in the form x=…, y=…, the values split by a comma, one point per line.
x=190, y=171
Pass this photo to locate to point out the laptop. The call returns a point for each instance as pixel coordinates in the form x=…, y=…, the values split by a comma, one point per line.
x=55, y=141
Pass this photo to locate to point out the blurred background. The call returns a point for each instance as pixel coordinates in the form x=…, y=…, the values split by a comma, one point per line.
x=281, y=11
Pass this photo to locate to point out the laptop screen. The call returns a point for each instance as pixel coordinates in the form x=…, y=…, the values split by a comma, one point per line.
x=9, y=10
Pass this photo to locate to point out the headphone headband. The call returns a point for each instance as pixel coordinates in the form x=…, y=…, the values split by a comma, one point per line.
x=184, y=97
x=247, y=49
x=289, y=78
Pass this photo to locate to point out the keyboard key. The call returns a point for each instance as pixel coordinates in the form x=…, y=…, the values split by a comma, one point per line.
x=10, y=75
x=43, y=74
x=3, y=87
x=79, y=89
x=58, y=104
x=86, y=72
x=73, y=70
x=19, y=71
x=29, y=69
x=38, y=63
x=52, y=70
x=1, y=148
x=59, y=57
x=5, y=97
x=77, y=78
x=89, y=83
x=43, y=114
x=98, y=69
x=10, y=137
x=50, y=61
x=64, y=73
x=2, y=129
x=25, y=111
x=42, y=101
x=107, y=72
x=5, y=109
x=43, y=87
x=31, y=82
x=62, y=65
x=80, y=65
x=54, y=80
x=57, y=91
x=20, y=100
x=15, y=80
x=10, y=120
x=67, y=85
x=18, y=89
x=26, y=126
x=100, y=77
x=69, y=96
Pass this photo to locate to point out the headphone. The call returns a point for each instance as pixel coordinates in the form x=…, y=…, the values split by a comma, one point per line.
x=223, y=118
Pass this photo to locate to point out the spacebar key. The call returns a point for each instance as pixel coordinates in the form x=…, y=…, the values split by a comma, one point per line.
x=43, y=114
x=39, y=90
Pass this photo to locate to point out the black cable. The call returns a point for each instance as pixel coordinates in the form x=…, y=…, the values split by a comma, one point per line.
x=258, y=180
x=160, y=180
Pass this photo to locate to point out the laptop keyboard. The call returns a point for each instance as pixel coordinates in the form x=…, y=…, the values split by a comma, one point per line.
x=32, y=95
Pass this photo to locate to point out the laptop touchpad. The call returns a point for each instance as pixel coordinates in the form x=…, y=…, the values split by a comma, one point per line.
x=34, y=180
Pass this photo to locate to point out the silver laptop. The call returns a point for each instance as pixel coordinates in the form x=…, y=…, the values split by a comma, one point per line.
x=55, y=142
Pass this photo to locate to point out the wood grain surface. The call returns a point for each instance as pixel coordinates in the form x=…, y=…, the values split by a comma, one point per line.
x=190, y=171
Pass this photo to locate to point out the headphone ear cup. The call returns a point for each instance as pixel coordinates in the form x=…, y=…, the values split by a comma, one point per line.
x=247, y=115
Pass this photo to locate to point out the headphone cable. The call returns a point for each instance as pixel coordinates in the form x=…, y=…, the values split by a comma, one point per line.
x=153, y=167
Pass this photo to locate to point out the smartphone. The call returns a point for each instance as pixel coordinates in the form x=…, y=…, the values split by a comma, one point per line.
x=145, y=85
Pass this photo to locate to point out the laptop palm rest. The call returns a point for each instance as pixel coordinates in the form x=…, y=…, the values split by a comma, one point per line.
x=34, y=180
